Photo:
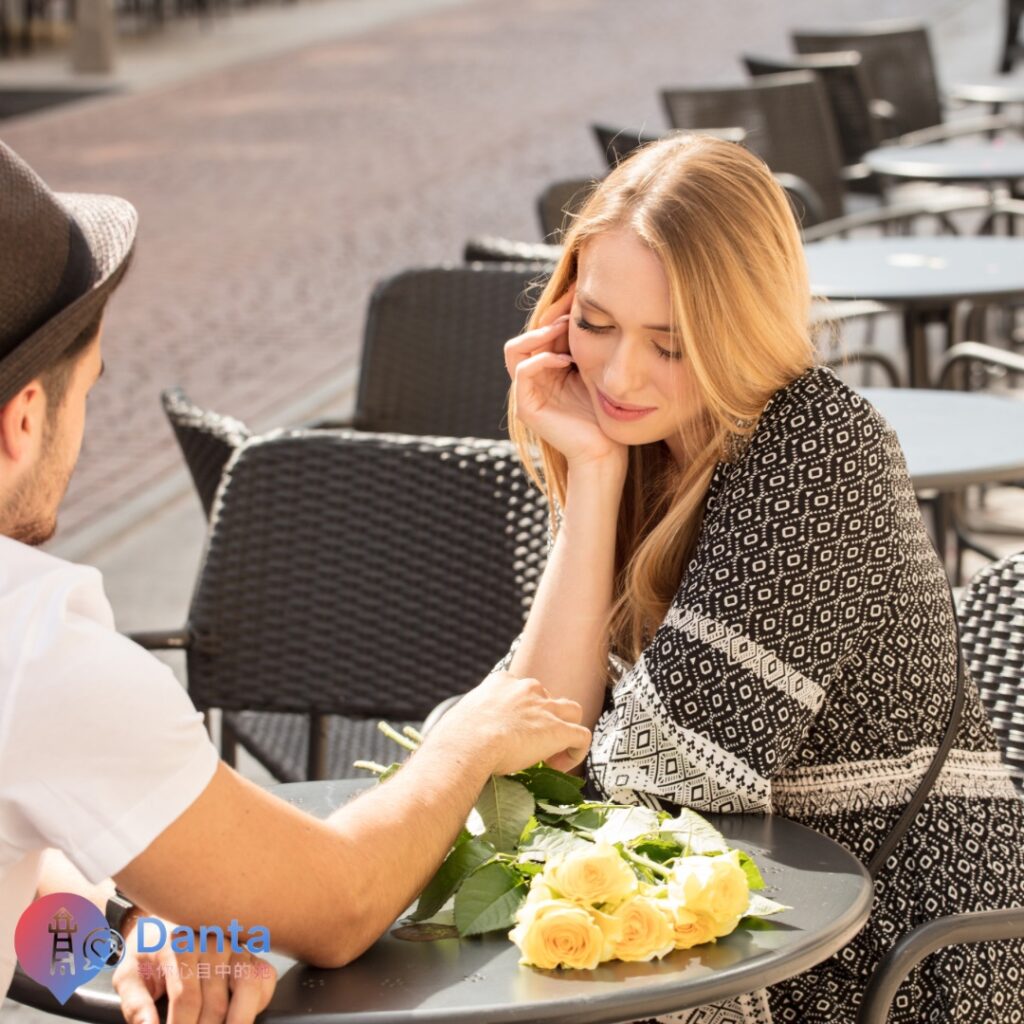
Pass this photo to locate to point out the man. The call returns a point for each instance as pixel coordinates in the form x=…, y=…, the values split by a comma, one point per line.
x=103, y=757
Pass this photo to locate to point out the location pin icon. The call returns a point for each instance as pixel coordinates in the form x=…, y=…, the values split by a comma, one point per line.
x=51, y=942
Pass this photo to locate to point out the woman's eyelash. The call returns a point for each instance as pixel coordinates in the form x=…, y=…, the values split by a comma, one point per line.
x=663, y=353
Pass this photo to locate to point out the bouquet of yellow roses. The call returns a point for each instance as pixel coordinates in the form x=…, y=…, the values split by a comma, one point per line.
x=578, y=882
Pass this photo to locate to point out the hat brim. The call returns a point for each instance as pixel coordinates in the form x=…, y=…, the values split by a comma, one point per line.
x=109, y=225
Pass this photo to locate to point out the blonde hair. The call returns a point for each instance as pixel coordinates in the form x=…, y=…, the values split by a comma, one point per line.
x=726, y=237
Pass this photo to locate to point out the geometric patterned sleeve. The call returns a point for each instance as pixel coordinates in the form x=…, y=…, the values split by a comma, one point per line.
x=792, y=568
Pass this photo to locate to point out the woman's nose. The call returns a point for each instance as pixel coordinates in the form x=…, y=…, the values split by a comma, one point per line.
x=624, y=372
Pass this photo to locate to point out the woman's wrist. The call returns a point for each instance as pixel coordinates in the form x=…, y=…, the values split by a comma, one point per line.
x=605, y=476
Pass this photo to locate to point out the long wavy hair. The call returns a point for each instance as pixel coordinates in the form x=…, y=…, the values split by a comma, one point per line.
x=726, y=237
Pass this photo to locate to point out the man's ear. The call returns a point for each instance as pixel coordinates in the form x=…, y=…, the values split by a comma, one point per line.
x=21, y=422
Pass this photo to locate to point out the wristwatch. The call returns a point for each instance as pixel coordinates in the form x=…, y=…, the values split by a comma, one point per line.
x=118, y=908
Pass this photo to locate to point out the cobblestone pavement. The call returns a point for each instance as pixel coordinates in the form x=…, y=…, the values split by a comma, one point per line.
x=273, y=194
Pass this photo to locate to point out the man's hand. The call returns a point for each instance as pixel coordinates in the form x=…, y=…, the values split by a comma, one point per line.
x=511, y=723
x=201, y=988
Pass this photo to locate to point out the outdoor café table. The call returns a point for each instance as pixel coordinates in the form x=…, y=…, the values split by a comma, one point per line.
x=997, y=90
x=466, y=981
x=990, y=163
x=922, y=275
x=953, y=439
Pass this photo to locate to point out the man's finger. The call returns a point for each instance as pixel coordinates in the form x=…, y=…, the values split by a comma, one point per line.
x=137, y=1004
x=216, y=998
x=249, y=995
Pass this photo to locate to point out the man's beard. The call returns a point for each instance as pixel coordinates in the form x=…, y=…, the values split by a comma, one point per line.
x=31, y=513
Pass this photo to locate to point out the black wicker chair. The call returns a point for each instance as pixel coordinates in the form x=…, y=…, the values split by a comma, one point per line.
x=860, y=120
x=1012, y=48
x=900, y=70
x=207, y=440
x=433, y=359
x=618, y=143
x=992, y=637
x=557, y=203
x=353, y=576
x=788, y=121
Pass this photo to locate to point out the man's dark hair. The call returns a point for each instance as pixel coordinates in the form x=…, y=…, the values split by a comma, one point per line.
x=56, y=377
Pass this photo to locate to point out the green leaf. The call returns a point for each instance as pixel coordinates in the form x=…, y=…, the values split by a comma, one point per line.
x=588, y=818
x=625, y=823
x=504, y=807
x=659, y=850
x=557, y=810
x=462, y=861
x=488, y=900
x=750, y=869
x=761, y=906
x=550, y=785
x=695, y=833
x=546, y=840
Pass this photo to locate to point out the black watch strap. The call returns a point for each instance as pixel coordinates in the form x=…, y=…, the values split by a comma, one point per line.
x=118, y=908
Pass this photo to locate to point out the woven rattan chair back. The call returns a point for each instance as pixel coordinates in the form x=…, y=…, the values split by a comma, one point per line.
x=618, y=143
x=898, y=63
x=207, y=440
x=848, y=92
x=788, y=122
x=433, y=360
x=362, y=574
x=992, y=637
x=558, y=202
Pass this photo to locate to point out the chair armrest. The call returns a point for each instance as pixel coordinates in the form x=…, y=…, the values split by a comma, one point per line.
x=938, y=206
x=957, y=129
x=966, y=352
x=162, y=639
x=957, y=929
x=490, y=249
x=805, y=192
x=884, y=363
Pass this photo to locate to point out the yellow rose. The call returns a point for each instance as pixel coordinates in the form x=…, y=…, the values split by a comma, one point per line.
x=713, y=887
x=557, y=933
x=689, y=927
x=593, y=874
x=645, y=930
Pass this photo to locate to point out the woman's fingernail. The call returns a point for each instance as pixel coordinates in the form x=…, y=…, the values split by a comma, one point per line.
x=561, y=320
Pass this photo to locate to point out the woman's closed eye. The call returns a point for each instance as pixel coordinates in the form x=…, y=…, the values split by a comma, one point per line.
x=585, y=325
x=663, y=353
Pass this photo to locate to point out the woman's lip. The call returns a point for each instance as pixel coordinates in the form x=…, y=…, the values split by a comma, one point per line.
x=621, y=412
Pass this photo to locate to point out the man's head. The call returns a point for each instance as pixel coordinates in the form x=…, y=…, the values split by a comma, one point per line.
x=41, y=432
x=61, y=256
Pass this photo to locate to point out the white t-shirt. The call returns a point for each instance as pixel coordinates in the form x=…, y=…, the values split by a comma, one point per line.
x=100, y=747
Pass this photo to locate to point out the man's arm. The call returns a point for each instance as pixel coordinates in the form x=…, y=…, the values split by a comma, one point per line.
x=58, y=874
x=327, y=889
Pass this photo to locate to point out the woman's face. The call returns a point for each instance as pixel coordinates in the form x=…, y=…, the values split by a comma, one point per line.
x=640, y=383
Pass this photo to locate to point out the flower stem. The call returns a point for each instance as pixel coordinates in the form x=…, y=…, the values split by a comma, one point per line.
x=394, y=734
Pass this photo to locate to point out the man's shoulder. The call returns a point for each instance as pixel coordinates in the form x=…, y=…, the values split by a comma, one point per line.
x=39, y=582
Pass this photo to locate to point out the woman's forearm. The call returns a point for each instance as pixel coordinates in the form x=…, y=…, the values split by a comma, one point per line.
x=565, y=641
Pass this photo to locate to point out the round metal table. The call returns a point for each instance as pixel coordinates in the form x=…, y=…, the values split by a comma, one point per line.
x=923, y=275
x=988, y=162
x=472, y=980
x=953, y=439
x=997, y=90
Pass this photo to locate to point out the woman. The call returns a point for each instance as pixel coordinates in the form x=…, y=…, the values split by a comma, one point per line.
x=741, y=592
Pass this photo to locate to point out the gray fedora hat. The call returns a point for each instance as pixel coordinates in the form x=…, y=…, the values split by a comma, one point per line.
x=61, y=255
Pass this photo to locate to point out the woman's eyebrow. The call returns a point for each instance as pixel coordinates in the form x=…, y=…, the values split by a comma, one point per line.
x=586, y=300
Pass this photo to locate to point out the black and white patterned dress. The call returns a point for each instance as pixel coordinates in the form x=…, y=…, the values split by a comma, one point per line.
x=807, y=668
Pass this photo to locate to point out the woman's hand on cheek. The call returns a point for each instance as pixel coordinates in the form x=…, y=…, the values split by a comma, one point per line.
x=553, y=401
